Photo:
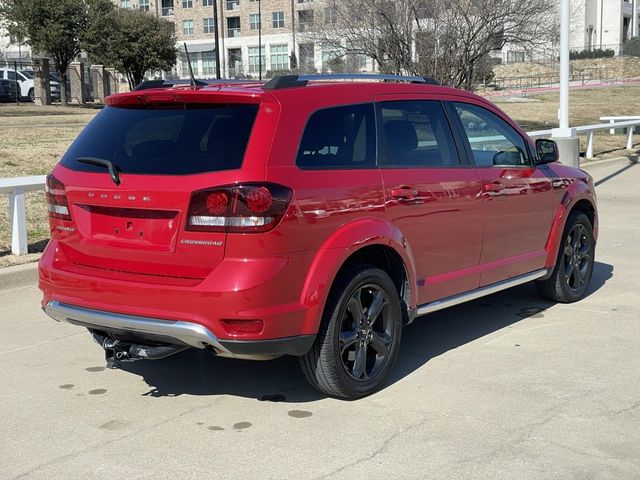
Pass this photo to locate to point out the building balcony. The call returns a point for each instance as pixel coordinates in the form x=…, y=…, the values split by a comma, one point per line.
x=233, y=32
x=167, y=11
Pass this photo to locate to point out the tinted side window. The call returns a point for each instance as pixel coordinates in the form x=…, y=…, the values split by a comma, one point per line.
x=11, y=75
x=493, y=141
x=340, y=137
x=415, y=133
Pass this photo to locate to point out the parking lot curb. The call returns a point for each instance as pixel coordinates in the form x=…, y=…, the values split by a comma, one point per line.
x=18, y=276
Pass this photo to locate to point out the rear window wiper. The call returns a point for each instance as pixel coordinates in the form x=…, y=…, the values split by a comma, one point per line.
x=101, y=162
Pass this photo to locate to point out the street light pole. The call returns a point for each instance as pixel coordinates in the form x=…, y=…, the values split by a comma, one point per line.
x=565, y=137
x=217, y=37
x=260, y=40
x=563, y=114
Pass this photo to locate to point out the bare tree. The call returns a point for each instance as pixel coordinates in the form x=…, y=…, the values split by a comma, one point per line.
x=450, y=40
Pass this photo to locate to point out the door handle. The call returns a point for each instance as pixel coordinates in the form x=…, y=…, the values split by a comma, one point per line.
x=404, y=193
x=493, y=187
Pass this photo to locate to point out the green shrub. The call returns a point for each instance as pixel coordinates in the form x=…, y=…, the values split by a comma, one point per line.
x=632, y=47
x=595, y=53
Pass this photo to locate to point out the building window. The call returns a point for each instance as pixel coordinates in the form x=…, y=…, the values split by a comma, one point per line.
x=167, y=8
x=187, y=3
x=330, y=15
x=233, y=4
x=305, y=1
x=515, y=57
x=307, y=56
x=144, y=5
x=254, y=21
x=187, y=27
x=254, y=59
x=331, y=55
x=278, y=19
x=208, y=63
x=279, y=57
x=356, y=59
x=208, y=25
x=233, y=27
x=305, y=20
x=194, y=65
x=235, y=62
x=207, y=3
x=125, y=3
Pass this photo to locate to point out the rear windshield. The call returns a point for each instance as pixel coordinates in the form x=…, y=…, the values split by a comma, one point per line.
x=194, y=139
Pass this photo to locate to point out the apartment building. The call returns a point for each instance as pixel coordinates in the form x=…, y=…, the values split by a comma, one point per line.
x=605, y=24
x=595, y=24
x=284, y=36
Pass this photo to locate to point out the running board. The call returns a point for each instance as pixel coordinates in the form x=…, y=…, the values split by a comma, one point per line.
x=480, y=292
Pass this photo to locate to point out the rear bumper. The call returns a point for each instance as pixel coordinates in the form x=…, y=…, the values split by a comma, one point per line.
x=194, y=315
x=184, y=333
x=176, y=332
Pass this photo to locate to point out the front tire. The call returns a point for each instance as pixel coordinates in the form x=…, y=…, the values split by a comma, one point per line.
x=31, y=95
x=359, y=337
x=572, y=273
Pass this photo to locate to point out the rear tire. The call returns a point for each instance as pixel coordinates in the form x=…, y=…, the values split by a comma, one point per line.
x=359, y=336
x=572, y=273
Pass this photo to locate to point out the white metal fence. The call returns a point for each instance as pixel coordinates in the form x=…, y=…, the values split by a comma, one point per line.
x=590, y=130
x=16, y=187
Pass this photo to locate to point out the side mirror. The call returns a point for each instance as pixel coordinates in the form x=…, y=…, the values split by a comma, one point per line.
x=547, y=151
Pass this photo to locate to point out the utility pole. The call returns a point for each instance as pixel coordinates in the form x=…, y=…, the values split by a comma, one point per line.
x=216, y=35
x=260, y=40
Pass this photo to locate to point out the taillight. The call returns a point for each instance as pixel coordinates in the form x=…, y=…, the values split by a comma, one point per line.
x=248, y=208
x=57, y=204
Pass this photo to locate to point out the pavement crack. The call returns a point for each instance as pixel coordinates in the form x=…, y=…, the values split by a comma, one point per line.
x=25, y=347
x=98, y=446
x=628, y=409
x=375, y=453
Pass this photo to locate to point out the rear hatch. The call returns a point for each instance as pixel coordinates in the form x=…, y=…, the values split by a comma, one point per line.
x=128, y=181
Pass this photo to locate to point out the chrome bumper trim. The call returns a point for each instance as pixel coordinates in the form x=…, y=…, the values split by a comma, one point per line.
x=187, y=333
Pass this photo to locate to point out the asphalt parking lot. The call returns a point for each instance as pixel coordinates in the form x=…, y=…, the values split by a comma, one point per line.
x=508, y=386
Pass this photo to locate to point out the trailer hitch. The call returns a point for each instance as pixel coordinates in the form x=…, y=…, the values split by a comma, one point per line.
x=117, y=351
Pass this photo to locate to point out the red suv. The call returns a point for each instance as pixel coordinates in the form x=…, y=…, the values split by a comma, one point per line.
x=309, y=216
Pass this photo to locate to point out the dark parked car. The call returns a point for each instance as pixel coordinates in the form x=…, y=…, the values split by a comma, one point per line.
x=8, y=89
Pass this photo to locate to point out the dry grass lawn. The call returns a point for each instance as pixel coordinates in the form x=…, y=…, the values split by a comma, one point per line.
x=33, y=138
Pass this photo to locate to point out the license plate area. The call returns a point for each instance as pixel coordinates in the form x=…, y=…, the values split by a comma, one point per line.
x=137, y=229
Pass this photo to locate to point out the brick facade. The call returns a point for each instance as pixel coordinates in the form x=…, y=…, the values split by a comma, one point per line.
x=239, y=54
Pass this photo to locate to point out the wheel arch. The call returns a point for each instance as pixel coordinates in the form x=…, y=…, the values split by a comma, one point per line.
x=578, y=198
x=372, y=241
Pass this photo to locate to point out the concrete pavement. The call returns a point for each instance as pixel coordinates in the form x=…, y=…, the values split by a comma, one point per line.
x=508, y=387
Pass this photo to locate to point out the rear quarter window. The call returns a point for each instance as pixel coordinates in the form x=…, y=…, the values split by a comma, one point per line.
x=189, y=140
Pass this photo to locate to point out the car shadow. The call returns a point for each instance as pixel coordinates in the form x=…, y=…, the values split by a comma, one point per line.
x=197, y=372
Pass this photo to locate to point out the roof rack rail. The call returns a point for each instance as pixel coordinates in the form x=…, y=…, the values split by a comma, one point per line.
x=290, y=81
x=148, y=84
